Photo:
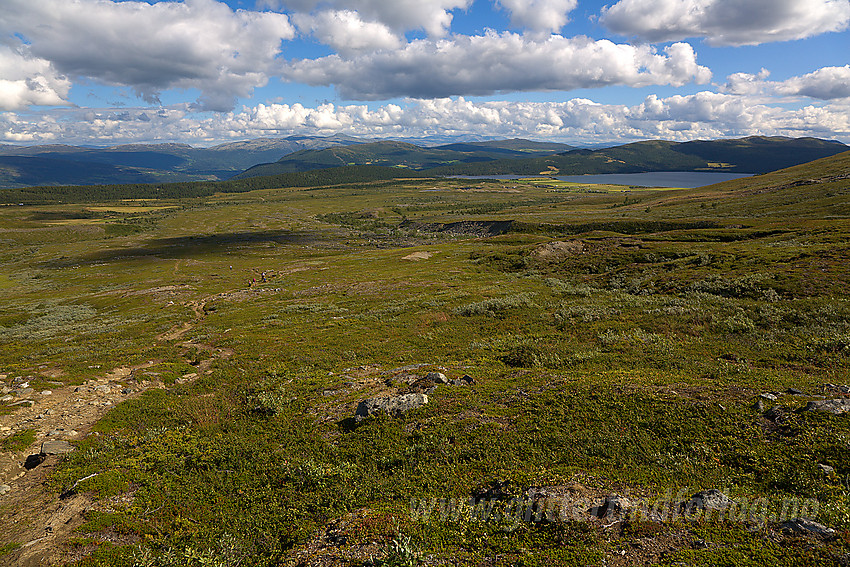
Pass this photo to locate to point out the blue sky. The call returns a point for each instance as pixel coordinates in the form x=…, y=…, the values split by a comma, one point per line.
x=203, y=72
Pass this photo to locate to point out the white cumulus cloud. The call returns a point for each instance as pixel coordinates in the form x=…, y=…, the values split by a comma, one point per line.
x=346, y=32
x=432, y=16
x=493, y=63
x=28, y=80
x=703, y=115
x=200, y=44
x=539, y=15
x=726, y=22
x=826, y=83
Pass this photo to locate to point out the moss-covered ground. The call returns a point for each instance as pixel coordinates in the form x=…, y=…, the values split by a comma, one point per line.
x=625, y=358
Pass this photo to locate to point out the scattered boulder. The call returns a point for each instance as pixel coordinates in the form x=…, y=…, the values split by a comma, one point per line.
x=802, y=526
x=836, y=406
x=4, y=488
x=768, y=396
x=394, y=405
x=612, y=506
x=56, y=447
x=826, y=469
x=46, y=392
x=7, y=398
x=437, y=378
x=102, y=389
x=711, y=499
x=794, y=392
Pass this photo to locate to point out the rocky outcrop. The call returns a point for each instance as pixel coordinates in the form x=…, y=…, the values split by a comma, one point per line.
x=393, y=405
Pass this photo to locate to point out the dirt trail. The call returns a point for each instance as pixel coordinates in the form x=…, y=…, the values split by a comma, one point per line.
x=31, y=515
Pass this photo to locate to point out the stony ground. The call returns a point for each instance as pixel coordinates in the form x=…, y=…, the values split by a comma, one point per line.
x=29, y=511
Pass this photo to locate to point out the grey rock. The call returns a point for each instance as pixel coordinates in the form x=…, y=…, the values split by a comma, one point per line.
x=80, y=389
x=711, y=499
x=395, y=405
x=826, y=469
x=612, y=506
x=46, y=392
x=56, y=447
x=437, y=377
x=768, y=396
x=836, y=406
x=794, y=392
x=102, y=389
x=777, y=415
x=7, y=398
x=468, y=379
x=759, y=406
x=25, y=392
x=802, y=526
x=4, y=488
x=5, y=390
x=127, y=391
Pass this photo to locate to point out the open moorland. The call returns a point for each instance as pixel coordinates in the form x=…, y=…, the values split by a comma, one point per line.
x=429, y=371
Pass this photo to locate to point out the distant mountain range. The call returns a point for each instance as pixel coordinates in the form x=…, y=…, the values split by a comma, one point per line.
x=755, y=154
x=160, y=163
x=405, y=155
x=26, y=166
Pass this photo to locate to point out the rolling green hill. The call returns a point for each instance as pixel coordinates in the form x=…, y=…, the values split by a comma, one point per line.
x=755, y=154
x=401, y=154
x=28, y=171
x=23, y=166
x=817, y=189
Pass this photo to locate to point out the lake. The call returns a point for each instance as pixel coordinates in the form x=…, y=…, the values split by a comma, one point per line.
x=684, y=179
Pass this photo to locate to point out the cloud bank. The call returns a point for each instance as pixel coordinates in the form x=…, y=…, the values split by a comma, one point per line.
x=726, y=22
x=496, y=63
x=681, y=117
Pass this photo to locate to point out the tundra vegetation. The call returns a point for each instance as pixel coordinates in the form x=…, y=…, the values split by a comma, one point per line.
x=614, y=341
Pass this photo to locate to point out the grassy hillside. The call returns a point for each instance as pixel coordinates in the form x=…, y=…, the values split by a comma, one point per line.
x=516, y=147
x=747, y=155
x=388, y=154
x=607, y=352
x=28, y=171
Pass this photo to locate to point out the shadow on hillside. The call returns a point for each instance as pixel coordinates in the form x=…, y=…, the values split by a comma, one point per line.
x=189, y=246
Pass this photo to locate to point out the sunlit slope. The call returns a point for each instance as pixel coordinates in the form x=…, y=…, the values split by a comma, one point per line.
x=820, y=188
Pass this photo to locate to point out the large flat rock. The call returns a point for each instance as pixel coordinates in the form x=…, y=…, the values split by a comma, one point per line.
x=836, y=406
x=56, y=447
